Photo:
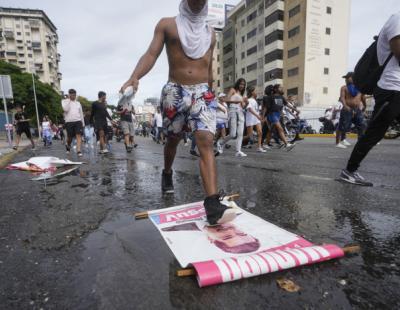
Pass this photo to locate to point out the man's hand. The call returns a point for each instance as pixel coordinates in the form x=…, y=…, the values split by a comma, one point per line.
x=131, y=82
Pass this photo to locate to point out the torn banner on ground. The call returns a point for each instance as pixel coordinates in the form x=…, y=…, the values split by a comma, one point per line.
x=245, y=247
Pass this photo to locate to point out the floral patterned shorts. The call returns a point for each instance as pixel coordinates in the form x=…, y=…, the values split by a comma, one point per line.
x=188, y=107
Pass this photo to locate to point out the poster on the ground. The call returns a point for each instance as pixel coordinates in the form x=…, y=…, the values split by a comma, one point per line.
x=245, y=247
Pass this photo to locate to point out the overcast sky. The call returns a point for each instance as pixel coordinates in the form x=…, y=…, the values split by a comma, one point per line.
x=101, y=40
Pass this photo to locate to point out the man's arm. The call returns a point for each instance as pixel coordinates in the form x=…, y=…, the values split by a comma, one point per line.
x=210, y=66
x=343, y=97
x=65, y=104
x=148, y=60
x=92, y=114
x=82, y=116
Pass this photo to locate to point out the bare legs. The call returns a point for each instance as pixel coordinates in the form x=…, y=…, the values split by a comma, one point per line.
x=208, y=170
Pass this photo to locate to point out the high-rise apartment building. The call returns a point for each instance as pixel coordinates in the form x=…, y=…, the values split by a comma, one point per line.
x=301, y=44
x=29, y=40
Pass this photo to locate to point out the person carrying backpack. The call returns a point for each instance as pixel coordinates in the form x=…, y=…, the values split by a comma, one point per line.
x=384, y=67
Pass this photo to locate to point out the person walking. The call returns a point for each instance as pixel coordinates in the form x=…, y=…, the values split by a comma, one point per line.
x=352, y=111
x=46, y=131
x=22, y=126
x=187, y=100
x=387, y=100
x=236, y=104
x=253, y=118
x=125, y=110
x=74, y=121
x=99, y=118
x=222, y=119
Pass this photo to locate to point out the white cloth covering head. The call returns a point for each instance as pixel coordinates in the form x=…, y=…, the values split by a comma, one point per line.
x=194, y=32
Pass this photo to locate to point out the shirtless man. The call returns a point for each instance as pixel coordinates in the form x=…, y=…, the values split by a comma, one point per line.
x=352, y=112
x=187, y=100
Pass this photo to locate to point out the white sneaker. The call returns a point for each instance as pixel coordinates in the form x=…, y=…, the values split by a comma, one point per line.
x=346, y=143
x=186, y=144
x=261, y=150
x=240, y=154
x=288, y=147
x=266, y=147
x=341, y=146
x=220, y=148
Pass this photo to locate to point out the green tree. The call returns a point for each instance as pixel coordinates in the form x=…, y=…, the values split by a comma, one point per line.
x=49, y=100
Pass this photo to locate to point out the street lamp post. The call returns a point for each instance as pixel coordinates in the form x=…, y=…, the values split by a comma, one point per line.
x=36, y=106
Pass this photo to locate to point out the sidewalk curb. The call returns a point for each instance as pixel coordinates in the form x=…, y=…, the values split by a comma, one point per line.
x=321, y=135
x=6, y=158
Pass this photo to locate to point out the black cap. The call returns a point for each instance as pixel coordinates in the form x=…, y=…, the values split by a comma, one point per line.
x=72, y=91
x=349, y=74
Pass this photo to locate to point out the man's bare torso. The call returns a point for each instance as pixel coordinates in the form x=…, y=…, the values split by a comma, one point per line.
x=352, y=102
x=182, y=69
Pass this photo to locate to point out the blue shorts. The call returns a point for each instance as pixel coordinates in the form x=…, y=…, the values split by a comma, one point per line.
x=221, y=125
x=274, y=117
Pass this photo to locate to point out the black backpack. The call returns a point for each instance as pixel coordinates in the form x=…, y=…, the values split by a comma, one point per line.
x=368, y=71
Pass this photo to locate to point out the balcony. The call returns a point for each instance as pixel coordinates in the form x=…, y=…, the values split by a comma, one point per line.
x=36, y=46
x=59, y=75
x=58, y=57
x=8, y=34
x=34, y=23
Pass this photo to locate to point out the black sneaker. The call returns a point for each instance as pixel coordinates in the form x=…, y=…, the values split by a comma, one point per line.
x=194, y=153
x=353, y=178
x=135, y=146
x=15, y=148
x=129, y=149
x=167, y=185
x=68, y=148
x=216, y=212
x=126, y=147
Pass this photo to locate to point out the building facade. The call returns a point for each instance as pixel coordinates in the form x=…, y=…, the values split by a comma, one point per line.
x=29, y=40
x=301, y=44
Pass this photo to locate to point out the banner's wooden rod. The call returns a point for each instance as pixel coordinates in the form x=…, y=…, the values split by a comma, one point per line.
x=145, y=214
x=188, y=272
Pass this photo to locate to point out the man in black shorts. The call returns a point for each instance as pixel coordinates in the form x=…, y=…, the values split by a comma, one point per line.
x=99, y=119
x=22, y=124
x=74, y=121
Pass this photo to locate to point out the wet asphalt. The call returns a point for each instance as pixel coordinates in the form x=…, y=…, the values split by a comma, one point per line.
x=74, y=243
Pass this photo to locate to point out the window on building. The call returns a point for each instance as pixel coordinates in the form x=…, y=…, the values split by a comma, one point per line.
x=294, y=31
x=217, y=57
x=218, y=70
x=243, y=39
x=228, y=62
x=228, y=33
x=327, y=30
x=219, y=83
x=243, y=22
x=272, y=56
x=30, y=55
x=252, y=16
x=252, y=67
x=293, y=52
x=19, y=33
x=250, y=34
x=268, y=3
x=325, y=90
x=26, y=26
x=274, y=17
x=18, y=26
x=273, y=74
x=227, y=48
x=243, y=55
x=293, y=91
x=294, y=11
x=293, y=72
x=252, y=50
x=252, y=83
x=243, y=70
x=328, y=10
x=327, y=51
x=27, y=33
x=326, y=71
x=274, y=36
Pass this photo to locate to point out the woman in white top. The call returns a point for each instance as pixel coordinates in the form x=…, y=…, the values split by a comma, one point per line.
x=253, y=118
x=222, y=119
x=46, y=131
x=236, y=104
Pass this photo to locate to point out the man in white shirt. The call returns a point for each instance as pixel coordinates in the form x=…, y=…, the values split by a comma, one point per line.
x=158, y=123
x=74, y=120
x=387, y=100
